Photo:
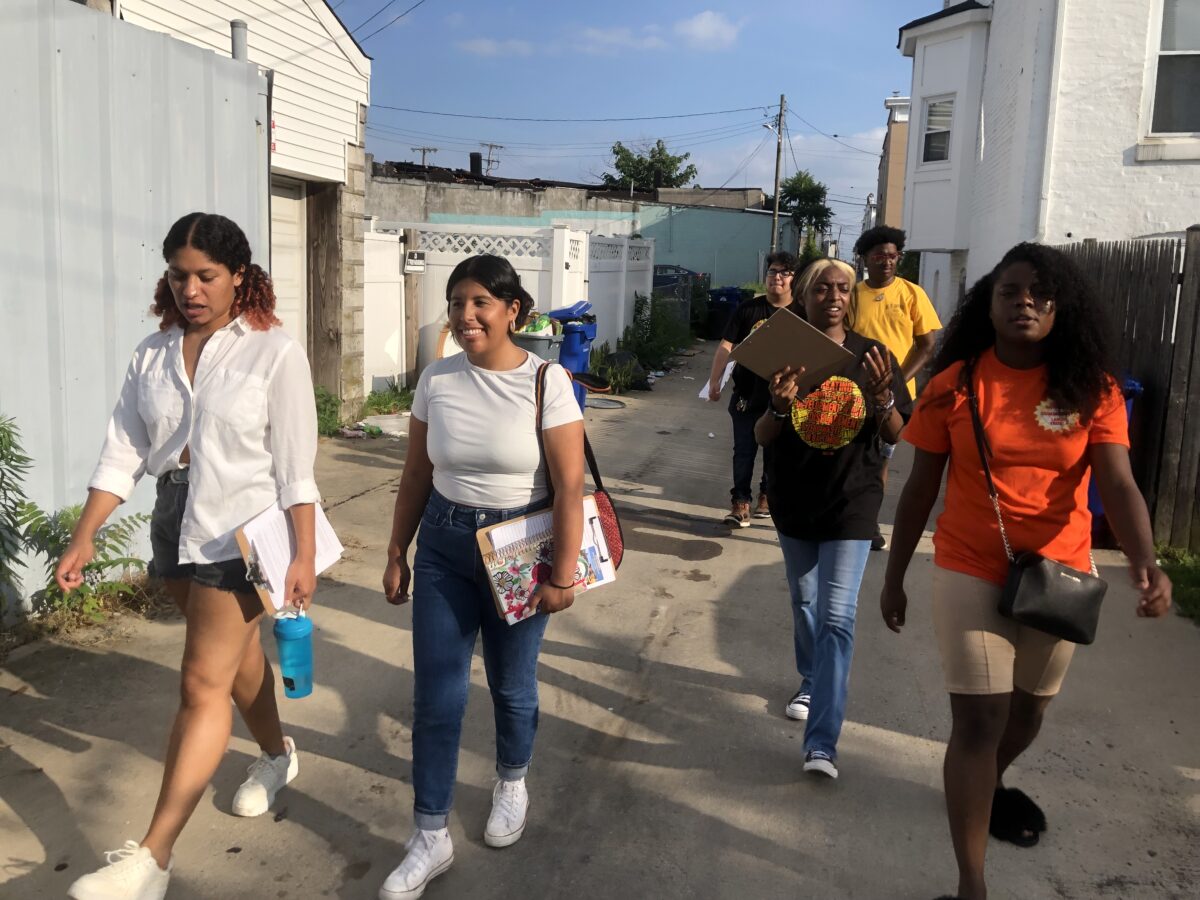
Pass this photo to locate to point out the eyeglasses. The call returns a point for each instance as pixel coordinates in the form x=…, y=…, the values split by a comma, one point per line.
x=780, y=273
x=883, y=257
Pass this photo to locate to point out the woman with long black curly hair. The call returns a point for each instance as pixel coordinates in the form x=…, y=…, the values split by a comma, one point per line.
x=218, y=406
x=1032, y=341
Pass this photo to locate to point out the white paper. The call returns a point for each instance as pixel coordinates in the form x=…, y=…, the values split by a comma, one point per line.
x=273, y=541
x=724, y=380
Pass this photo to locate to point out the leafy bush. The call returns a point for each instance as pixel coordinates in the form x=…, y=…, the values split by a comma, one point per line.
x=49, y=534
x=392, y=399
x=757, y=287
x=910, y=266
x=655, y=335
x=13, y=466
x=329, y=412
x=699, y=307
x=1183, y=568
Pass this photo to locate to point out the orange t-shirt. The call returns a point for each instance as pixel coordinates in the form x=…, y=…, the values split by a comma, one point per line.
x=1039, y=463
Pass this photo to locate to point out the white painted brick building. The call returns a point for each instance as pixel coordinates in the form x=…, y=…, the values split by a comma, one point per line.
x=1048, y=120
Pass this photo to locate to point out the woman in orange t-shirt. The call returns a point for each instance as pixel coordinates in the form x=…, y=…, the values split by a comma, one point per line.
x=1033, y=339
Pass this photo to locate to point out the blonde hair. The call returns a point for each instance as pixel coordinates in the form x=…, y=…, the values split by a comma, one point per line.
x=813, y=271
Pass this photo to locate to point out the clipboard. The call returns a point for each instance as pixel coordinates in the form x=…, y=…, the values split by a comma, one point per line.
x=268, y=545
x=518, y=554
x=785, y=339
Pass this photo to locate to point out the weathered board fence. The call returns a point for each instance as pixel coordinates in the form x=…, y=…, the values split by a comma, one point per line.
x=1151, y=290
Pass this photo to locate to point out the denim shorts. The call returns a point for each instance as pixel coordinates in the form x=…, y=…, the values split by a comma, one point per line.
x=165, y=524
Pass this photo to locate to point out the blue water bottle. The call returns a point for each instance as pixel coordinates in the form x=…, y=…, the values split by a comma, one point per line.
x=293, y=637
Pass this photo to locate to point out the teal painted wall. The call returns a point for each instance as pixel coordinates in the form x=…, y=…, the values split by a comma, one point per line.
x=724, y=243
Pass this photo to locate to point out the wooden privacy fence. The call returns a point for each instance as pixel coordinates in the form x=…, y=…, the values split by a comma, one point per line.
x=1151, y=290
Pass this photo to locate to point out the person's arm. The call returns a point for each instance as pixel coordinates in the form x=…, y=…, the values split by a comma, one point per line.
x=720, y=361
x=918, y=355
x=99, y=506
x=1129, y=519
x=912, y=514
x=301, y=580
x=883, y=384
x=416, y=484
x=564, y=469
x=783, y=387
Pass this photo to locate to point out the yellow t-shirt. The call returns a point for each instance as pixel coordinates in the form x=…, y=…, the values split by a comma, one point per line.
x=894, y=316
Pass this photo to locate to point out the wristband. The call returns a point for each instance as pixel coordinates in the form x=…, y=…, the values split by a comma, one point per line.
x=561, y=587
x=781, y=415
x=886, y=407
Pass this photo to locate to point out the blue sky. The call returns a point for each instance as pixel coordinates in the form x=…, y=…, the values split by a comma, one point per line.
x=835, y=60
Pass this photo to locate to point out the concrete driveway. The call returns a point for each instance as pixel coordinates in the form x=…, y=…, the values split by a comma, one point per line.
x=664, y=766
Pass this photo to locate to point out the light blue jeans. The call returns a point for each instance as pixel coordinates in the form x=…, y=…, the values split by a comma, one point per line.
x=824, y=578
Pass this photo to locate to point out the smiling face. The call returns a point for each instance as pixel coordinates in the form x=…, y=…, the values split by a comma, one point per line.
x=827, y=298
x=204, y=290
x=1022, y=310
x=479, y=321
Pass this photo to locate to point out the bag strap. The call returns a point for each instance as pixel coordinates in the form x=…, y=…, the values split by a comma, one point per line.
x=985, y=450
x=540, y=409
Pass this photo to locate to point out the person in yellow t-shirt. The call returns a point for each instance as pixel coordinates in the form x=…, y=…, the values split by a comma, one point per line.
x=895, y=312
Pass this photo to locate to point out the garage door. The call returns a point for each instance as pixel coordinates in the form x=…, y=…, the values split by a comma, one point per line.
x=288, y=257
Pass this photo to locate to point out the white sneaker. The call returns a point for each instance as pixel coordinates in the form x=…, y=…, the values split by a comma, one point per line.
x=265, y=777
x=510, y=807
x=131, y=874
x=818, y=762
x=429, y=854
x=797, y=707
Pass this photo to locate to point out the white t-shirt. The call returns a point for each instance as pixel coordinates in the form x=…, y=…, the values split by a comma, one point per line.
x=482, y=433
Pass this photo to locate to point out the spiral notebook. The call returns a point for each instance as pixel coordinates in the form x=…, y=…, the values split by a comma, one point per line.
x=518, y=554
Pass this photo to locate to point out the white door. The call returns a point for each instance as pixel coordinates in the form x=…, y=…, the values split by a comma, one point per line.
x=289, y=264
x=383, y=311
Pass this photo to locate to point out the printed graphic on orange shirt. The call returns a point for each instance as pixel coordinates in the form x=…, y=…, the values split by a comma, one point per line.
x=831, y=416
x=1055, y=420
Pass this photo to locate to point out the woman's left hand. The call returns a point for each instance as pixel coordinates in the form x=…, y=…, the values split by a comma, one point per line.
x=550, y=599
x=1156, y=590
x=300, y=583
x=879, y=375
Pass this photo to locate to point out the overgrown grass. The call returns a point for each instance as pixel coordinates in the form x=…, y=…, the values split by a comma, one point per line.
x=1183, y=569
x=655, y=335
x=392, y=399
x=329, y=412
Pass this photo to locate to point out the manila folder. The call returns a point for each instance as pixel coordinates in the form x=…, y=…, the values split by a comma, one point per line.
x=785, y=339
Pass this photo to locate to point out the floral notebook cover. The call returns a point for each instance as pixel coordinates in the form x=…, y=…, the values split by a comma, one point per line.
x=518, y=555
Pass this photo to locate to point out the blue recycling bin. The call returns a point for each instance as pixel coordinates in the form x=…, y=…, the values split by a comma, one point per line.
x=579, y=330
x=1131, y=388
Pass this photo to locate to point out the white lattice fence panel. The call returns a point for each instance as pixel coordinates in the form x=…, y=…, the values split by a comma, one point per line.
x=506, y=245
x=640, y=252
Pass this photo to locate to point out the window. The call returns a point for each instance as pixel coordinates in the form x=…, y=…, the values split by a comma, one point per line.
x=938, y=116
x=1177, y=88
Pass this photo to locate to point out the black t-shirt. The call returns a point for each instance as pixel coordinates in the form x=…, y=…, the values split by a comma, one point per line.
x=748, y=316
x=825, y=482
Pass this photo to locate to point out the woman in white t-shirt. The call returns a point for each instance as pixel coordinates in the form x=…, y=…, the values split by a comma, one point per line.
x=475, y=459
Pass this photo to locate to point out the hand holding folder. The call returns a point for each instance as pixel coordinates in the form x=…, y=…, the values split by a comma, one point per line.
x=785, y=340
x=268, y=544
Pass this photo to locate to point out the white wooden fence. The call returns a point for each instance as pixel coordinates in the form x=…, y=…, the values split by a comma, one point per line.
x=557, y=265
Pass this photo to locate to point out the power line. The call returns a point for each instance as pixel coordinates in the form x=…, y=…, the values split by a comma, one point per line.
x=830, y=136
x=429, y=112
x=391, y=23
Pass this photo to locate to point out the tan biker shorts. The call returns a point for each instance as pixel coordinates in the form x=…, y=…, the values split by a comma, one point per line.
x=985, y=653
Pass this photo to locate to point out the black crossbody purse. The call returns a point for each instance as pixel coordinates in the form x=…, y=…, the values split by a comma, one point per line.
x=1040, y=592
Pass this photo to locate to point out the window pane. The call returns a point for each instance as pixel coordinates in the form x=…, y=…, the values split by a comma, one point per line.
x=939, y=116
x=937, y=147
x=1181, y=25
x=1177, y=95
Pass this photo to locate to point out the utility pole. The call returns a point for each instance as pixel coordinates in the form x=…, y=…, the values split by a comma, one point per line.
x=487, y=169
x=778, y=164
x=424, y=151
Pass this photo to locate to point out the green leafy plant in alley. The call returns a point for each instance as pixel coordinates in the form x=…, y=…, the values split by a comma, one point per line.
x=14, y=464
x=329, y=412
x=392, y=399
x=1183, y=568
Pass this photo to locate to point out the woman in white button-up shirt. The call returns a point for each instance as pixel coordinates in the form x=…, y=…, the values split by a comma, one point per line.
x=218, y=406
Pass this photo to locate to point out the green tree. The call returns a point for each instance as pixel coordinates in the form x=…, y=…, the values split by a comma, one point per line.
x=654, y=168
x=803, y=197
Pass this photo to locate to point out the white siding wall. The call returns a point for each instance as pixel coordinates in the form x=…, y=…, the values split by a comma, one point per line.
x=947, y=63
x=320, y=76
x=1097, y=188
x=108, y=155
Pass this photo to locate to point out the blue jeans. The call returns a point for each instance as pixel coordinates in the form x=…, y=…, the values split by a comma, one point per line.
x=824, y=578
x=745, y=451
x=452, y=603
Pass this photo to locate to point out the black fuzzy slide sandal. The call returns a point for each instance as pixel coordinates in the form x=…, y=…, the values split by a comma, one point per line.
x=1016, y=818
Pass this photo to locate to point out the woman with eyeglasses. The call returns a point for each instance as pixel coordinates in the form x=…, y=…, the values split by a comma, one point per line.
x=1031, y=338
x=825, y=491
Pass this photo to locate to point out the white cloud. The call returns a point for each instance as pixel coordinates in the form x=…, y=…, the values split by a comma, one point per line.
x=489, y=47
x=613, y=40
x=708, y=31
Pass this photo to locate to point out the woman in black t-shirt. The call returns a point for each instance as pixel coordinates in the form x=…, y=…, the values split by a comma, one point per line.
x=825, y=488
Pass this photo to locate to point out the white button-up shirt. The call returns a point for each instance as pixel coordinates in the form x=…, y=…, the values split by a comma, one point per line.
x=250, y=422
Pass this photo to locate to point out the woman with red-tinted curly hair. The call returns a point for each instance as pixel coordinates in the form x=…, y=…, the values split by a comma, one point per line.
x=218, y=406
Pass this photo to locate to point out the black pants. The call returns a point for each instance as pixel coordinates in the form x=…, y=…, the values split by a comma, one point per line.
x=745, y=451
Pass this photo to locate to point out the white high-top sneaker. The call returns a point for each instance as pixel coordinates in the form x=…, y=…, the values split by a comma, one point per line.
x=131, y=874
x=429, y=854
x=510, y=808
x=264, y=779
